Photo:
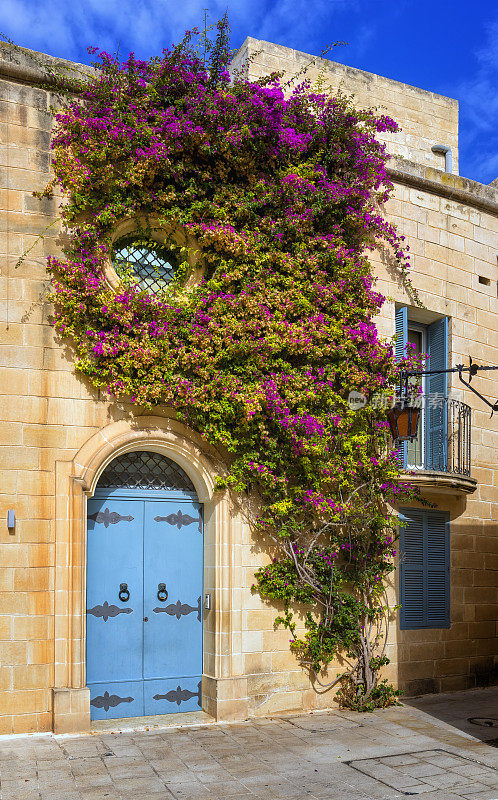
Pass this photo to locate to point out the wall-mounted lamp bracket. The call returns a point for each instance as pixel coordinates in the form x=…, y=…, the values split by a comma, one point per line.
x=472, y=369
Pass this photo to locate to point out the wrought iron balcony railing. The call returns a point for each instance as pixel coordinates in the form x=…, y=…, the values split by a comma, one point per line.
x=443, y=441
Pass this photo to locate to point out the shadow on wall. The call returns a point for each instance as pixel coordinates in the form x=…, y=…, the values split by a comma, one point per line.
x=464, y=655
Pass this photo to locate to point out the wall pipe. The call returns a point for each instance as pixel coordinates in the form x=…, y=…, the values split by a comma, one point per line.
x=446, y=152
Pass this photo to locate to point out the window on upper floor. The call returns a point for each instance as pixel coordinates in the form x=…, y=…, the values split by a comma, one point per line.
x=429, y=450
x=152, y=267
x=424, y=569
x=415, y=451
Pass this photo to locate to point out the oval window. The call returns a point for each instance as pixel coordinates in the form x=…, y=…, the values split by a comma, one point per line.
x=152, y=267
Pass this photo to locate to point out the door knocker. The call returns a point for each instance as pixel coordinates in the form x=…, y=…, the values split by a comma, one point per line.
x=162, y=594
x=124, y=592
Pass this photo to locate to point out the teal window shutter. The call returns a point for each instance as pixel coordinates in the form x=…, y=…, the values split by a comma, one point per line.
x=401, y=318
x=401, y=322
x=424, y=569
x=436, y=440
x=412, y=570
x=438, y=571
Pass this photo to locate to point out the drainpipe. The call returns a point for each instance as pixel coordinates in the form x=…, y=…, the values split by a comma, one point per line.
x=446, y=152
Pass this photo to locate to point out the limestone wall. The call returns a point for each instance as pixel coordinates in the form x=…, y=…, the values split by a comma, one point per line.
x=454, y=248
x=33, y=381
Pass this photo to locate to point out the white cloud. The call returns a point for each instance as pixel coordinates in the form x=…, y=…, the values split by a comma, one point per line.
x=292, y=20
x=479, y=112
x=488, y=55
x=146, y=26
x=66, y=29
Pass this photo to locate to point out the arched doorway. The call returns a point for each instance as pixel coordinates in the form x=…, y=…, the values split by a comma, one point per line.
x=144, y=589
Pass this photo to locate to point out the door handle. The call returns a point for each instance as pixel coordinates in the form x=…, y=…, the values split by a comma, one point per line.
x=124, y=592
x=162, y=594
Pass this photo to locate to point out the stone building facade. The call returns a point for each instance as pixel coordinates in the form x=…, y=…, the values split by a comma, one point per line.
x=57, y=435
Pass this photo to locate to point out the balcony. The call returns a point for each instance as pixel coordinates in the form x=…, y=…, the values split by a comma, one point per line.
x=439, y=458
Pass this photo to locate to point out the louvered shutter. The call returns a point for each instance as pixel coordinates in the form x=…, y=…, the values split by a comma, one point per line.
x=424, y=570
x=437, y=389
x=438, y=571
x=401, y=320
x=412, y=570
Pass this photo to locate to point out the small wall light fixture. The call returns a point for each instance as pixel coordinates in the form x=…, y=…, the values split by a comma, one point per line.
x=11, y=521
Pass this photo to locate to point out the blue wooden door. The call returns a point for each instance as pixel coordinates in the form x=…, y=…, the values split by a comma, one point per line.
x=114, y=627
x=173, y=558
x=144, y=651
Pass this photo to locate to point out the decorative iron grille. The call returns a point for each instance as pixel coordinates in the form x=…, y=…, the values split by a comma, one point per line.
x=443, y=443
x=148, y=264
x=459, y=441
x=144, y=470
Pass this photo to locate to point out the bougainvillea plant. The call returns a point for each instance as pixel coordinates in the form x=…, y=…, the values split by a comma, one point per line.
x=267, y=325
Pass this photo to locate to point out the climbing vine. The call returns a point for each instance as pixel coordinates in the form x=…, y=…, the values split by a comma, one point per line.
x=267, y=204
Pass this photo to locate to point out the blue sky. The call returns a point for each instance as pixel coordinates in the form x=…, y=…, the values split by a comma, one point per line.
x=447, y=47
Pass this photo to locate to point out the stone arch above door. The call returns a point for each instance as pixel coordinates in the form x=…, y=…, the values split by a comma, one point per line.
x=75, y=481
x=178, y=442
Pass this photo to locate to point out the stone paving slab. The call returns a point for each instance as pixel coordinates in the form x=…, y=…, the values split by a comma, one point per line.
x=429, y=771
x=389, y=754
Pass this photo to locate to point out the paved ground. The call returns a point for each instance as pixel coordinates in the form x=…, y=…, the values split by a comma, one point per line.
x=473, y=712
x=395, y=753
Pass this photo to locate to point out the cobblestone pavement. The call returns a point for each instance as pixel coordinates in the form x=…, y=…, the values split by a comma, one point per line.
x=395, y=753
